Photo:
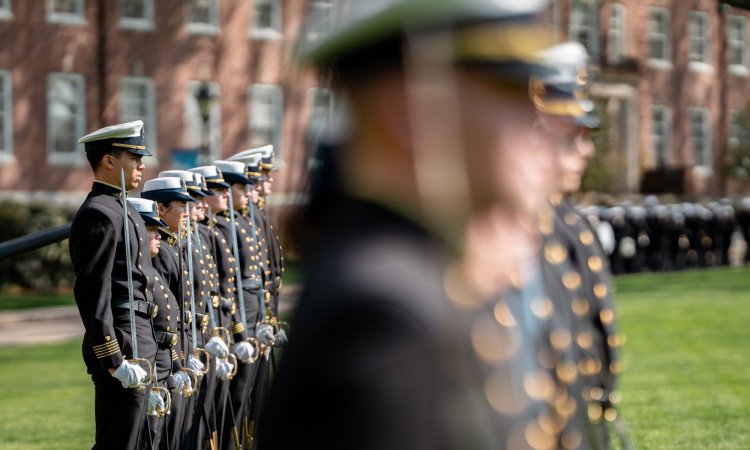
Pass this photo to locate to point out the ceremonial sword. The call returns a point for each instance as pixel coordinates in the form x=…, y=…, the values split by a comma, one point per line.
x=129, y=267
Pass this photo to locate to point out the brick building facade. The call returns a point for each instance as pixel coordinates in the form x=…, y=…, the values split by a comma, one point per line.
x=671, y=77
x=68, y=67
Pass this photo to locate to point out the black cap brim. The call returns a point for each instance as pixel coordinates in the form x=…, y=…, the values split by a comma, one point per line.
x=233, y=178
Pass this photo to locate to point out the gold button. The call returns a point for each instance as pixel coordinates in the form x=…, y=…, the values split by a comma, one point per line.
x=600, y=290
x=595, y=264
x=107, y=338
x=571, y=280
x=554, y=253
x=586, y=237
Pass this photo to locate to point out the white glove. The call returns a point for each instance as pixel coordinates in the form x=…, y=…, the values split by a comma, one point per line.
x=223, y=369
x=181, y=382
x=216, y=347
x=130, y=375
x=155, y=404
x=281, y=338
x=244, y=351
x=264, y=334
x=195, y=364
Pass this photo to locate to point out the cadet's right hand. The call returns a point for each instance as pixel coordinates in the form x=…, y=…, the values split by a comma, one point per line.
x=180, y=380
x=244, y=351
x=216, y=347
x=223, y=369
x=130, y=375
x=264, y=334
x=195, y=364
x=155, y=404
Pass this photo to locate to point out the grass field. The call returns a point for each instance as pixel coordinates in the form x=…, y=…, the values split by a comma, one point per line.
x=686, y=383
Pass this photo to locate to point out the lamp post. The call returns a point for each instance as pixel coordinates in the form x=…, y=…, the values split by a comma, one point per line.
x=205, y=102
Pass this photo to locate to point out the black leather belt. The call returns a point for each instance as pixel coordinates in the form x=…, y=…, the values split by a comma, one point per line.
x=166, y=338
x=143, y=307
x=252, y=284
x=187, y=318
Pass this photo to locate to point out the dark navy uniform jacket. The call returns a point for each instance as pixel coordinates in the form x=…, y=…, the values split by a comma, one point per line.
x=97, y=249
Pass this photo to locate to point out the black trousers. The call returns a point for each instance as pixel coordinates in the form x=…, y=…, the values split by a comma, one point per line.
x=120, y=414
x=240, y=390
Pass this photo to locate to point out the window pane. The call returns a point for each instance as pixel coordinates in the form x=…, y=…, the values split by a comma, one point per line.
x=135, y=9
x=200, y=11
x=63, y=110
x=66, y=6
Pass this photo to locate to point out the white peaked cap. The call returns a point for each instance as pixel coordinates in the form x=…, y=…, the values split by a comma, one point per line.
x=184, y=174
x=163, y=183
x=123, y=130
x=143, y=205
x=234, y=167
x=206, y=171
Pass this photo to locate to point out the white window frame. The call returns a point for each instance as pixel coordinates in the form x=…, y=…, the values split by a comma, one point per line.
x=211, y=28
x=699, y=30
x=194, y=122
x=617, y=33
x=733, y=43
x=590, y=24
x=76, y=157
x=276, y=94
x=663, y=134
x=275, y=30
x=6, y=9
x=664, y=61
x=149, y=118
x=6, y=116
x=137, y=23
x=315, y=131
x=77, y=18
x=705, y=159
x=318, y=8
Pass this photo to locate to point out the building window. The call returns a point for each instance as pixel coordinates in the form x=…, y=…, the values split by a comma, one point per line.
x=137, y=14
x=736, y=129
x=137, y=103
x=6, y=10
x=266, y=113
x=659, y=34
x=66, y=11
x=321, y=119
x=66, y=117
x=616, y=34
x=700, y=134
x=203, y=16
x=661, y=134
x=198, y=133
x=6, y=116
x=584, y=24
x=321, y=17
x=266, y=19
x=699, y=37
x=738, y=42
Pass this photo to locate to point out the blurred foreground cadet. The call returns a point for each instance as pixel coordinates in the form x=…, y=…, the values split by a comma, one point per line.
x=426, y=321
x=573, y=249
x=98, y=252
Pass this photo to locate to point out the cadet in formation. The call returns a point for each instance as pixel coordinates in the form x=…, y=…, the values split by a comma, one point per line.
x=428, y=319
x=173, y=390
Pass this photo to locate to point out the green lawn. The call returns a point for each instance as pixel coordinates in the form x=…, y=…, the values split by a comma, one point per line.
x=686, y=383
x=47, y=398
x=8, y=302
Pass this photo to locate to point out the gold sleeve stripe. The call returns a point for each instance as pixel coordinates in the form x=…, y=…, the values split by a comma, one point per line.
x=174, y=354
x=107, y=349
x=238, y=328
x=105, y=345
x=110, y=353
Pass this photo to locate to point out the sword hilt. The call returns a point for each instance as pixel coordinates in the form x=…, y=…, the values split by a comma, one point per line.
x=256, y=345
x=233, y=357
x=142, y=385
x=187, y=391
x=196, y=353
x=161, y=412
x=223, y=334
